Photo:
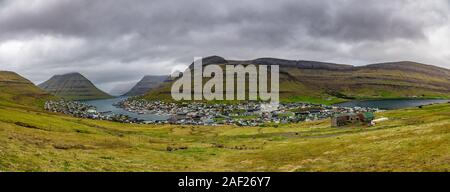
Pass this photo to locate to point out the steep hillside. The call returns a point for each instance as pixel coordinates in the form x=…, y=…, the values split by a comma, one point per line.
x=327, y=83
x=16, y=90
x=73, y=86
x=388, y=80
x=146, y=84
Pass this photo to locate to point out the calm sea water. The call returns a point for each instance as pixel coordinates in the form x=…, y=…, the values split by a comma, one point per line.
x=105, y=105
x=392, y=104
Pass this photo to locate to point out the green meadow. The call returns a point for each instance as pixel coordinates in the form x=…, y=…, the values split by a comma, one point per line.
x=415, y=139
x=411, y=140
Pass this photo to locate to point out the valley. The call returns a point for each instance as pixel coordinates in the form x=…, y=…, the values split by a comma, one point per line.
x=412, y=140
x=408, y=139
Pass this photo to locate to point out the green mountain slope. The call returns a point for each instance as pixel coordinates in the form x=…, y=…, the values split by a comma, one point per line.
x=73, y=86
x=16, y=90
x=388, y=80
x=146, y=84
x=327, y=83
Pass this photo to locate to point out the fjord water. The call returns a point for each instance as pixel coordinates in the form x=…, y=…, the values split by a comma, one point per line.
x=106, y=105
x=392, y=103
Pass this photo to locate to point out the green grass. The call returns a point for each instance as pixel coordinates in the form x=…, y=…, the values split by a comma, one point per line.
x=73, y=86
x=412, y=140
x=320, y=86
x=314, y=100
x=17, y=91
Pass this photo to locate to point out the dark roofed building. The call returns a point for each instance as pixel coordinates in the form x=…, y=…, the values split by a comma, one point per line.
x=351, y=118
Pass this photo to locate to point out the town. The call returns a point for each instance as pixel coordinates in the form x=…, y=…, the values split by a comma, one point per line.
x=249, y=113
x=197, y=113
x=82, y=110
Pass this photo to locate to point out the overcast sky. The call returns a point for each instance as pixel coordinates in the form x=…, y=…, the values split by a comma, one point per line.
x=115, y=43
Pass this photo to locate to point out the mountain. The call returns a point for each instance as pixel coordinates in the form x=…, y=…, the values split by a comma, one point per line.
x=146, y=84
x=73, y=86
x=321, y=82
x=16, y=90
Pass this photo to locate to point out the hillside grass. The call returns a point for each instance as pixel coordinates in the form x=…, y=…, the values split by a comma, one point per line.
x=16, y=91
x=412, y=140
x=321, y=86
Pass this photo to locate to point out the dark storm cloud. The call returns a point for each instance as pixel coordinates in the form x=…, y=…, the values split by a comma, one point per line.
x=117, y=42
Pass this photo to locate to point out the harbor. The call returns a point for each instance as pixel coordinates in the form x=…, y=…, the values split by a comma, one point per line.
x=132, y=110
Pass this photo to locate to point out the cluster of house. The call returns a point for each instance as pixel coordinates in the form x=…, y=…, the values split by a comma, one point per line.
x=82, y=110
x=344, y=119
x=243, y=114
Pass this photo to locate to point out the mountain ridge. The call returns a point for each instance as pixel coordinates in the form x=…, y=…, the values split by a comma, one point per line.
x=306, y=63
x=17, y=90
x=147, y=83
x=328, y=83
x=73, y=86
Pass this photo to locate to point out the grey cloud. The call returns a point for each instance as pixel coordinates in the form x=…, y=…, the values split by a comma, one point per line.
x=117, y=42
x=158, y=20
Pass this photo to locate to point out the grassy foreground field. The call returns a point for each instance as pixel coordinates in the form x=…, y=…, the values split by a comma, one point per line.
x=412, y=140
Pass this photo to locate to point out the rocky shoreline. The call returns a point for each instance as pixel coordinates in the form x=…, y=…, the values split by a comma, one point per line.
x=82, y=110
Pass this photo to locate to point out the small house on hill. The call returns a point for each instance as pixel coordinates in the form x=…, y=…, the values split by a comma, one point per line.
x=352, y=118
